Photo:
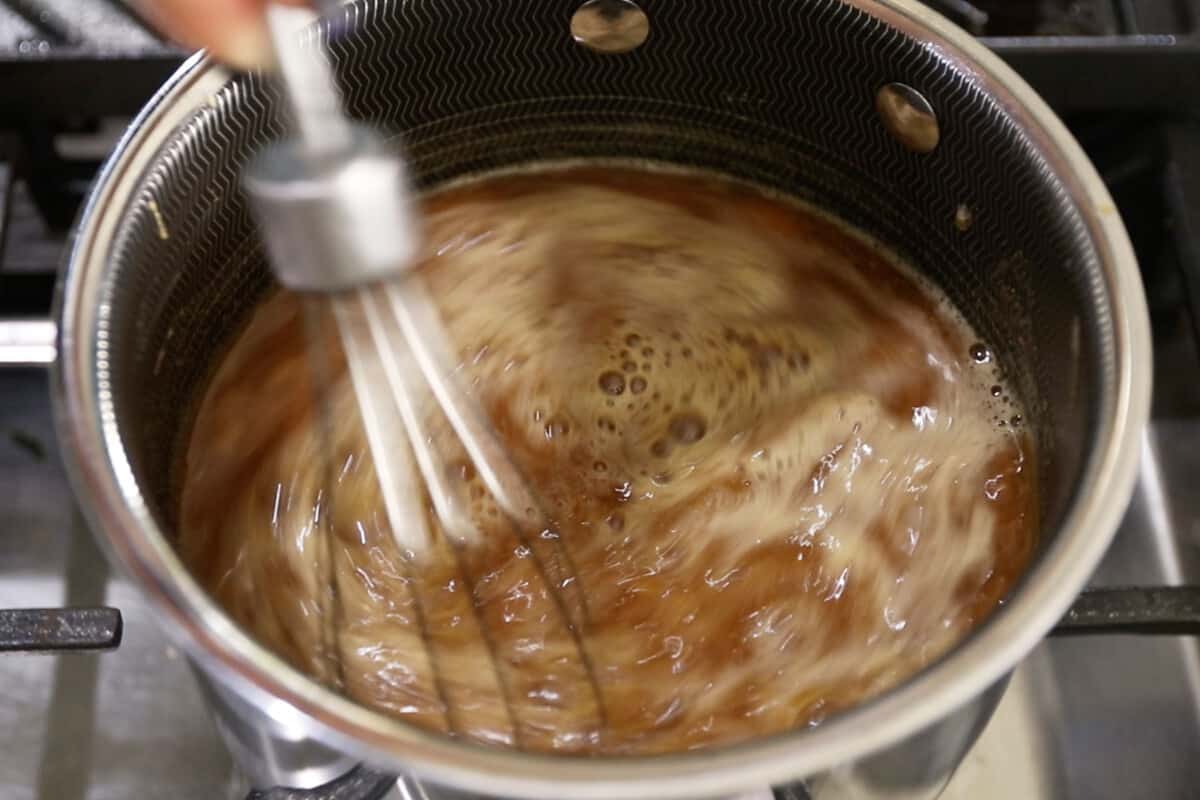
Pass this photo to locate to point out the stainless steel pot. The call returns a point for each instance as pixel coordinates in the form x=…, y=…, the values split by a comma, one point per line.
x=878, y=110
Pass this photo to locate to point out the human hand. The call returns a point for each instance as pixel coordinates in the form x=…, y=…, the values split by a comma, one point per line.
x=233, y=31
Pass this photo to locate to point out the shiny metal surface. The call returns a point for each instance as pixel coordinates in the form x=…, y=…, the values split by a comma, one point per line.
x=331, y=199
x=610, y=26
x=910, y=120
x=1103, y=361
x=54, y=629
x=360, y=784
x=27, y=342
x=918, y=768
x=269, y=745
x=382, y=355
x=304, y=71
x=337, y=222
x=1107, y=718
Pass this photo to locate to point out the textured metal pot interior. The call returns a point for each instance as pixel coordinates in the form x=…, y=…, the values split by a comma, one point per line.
x=779, y=93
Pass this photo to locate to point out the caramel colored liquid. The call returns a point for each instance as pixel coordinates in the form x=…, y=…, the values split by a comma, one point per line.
x=771, y=463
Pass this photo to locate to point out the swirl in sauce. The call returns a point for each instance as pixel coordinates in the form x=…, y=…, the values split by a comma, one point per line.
x=775, y=479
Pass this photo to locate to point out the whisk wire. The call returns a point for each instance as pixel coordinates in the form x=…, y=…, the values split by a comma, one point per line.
x=369, y=369
x=402, y=371
x=415, y=404
x=320, y=200
x=418, y=319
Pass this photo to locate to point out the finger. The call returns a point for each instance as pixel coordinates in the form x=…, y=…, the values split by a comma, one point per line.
x=233, y=31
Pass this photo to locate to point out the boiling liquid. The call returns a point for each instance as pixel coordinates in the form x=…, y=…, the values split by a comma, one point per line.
x=775, y=480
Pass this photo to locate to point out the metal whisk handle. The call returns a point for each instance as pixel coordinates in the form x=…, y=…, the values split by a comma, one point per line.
x=334, y=203
x=336, y=222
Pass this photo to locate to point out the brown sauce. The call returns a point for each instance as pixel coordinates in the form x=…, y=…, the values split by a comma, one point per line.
x=775, y=481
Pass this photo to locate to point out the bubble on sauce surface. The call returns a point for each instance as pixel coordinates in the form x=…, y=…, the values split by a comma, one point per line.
x=612, y=383
x=462, y=470
x=688, y=427
x=556, y=428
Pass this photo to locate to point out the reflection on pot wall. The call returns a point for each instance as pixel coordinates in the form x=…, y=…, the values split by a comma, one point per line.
x=917, y=768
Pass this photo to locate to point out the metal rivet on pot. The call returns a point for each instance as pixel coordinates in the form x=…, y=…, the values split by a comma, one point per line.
x=908, y=117
x=964, y=218
x=610, y=26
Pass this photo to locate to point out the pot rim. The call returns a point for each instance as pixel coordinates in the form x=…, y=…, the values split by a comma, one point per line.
x=110, y=497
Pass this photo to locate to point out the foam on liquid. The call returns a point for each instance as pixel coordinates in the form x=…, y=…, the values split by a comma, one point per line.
x=771, y=460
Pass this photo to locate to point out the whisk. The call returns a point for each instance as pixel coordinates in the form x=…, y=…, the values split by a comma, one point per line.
x=335, y=208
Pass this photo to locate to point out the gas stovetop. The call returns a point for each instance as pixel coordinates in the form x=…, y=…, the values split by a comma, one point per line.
x=1096, y=718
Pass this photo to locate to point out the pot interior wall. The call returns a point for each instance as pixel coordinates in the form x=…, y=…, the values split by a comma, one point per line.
x=779, y=93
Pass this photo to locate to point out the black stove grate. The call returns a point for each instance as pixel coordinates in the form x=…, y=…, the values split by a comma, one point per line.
x=1127, y=55
x=51, y=630
x=71, y=58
